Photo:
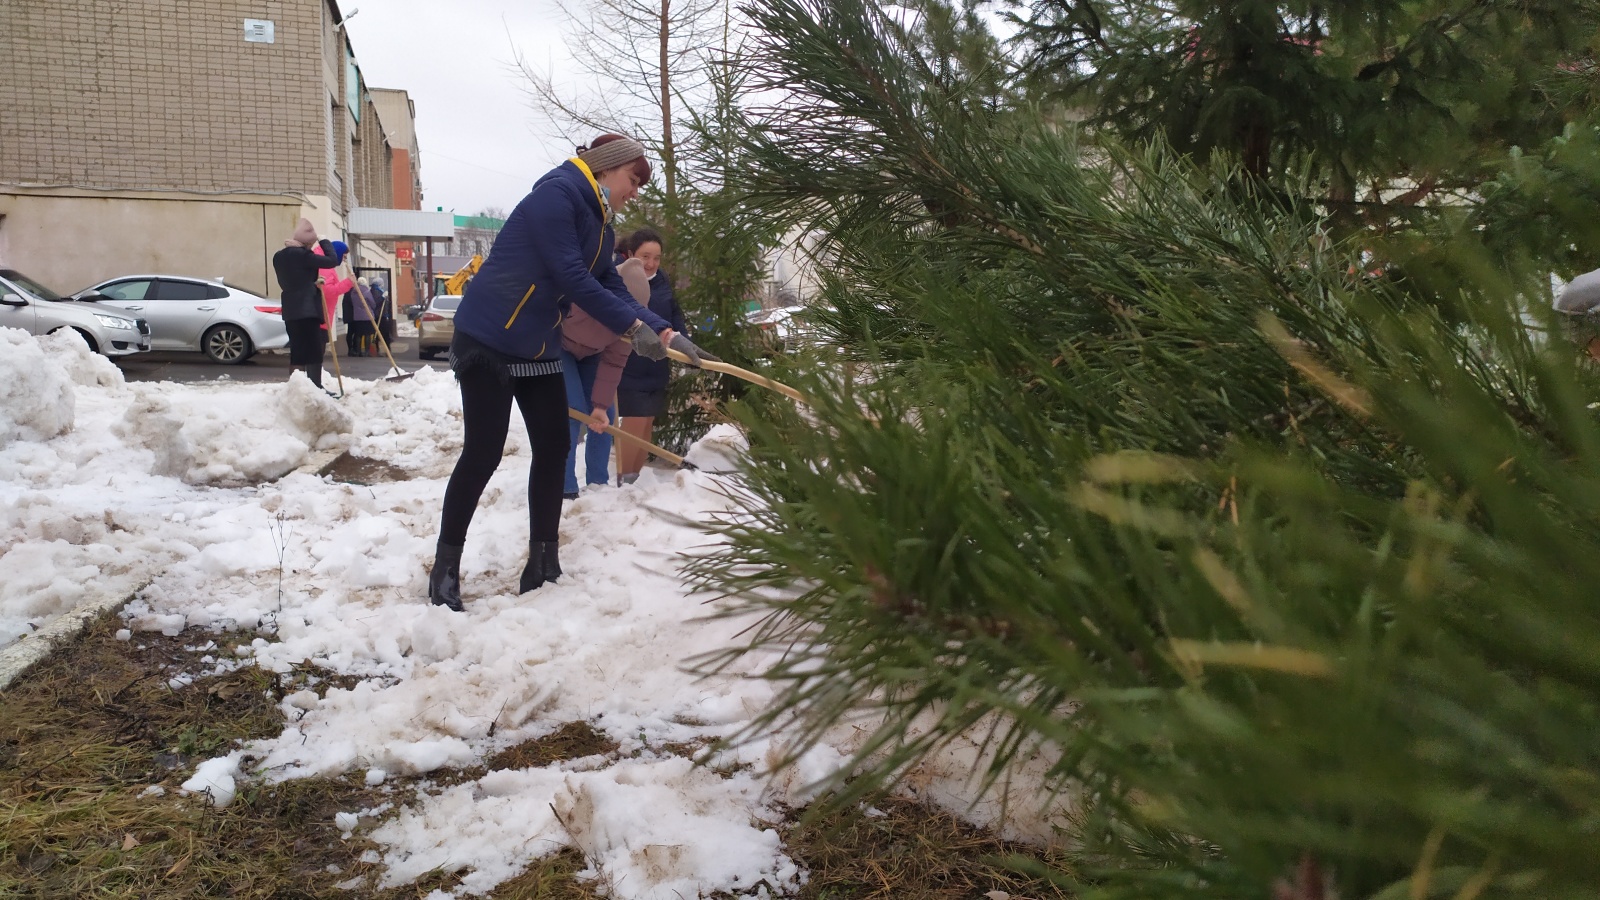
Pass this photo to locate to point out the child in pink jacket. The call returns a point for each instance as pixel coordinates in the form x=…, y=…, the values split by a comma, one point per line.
x=332, y=291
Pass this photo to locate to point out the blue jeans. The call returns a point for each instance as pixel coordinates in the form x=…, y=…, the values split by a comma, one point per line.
x=579, y=375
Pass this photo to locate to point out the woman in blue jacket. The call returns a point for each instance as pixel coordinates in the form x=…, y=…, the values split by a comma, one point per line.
x=642, y=393
x=555, y=250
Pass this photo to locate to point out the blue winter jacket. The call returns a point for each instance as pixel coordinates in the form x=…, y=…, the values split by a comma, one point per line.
x=555, y=250
x=641, y=374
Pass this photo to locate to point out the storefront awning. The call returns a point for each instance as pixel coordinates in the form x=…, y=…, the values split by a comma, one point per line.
x=400, y=224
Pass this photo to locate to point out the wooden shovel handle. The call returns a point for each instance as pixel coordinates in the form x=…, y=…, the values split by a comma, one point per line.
x=746, y=374
x=634, y=439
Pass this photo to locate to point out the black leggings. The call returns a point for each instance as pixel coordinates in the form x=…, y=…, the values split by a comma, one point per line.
x=486, y=413
x=307, y=341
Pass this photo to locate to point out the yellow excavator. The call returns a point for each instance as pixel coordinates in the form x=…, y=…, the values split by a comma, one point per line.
x=457, y=284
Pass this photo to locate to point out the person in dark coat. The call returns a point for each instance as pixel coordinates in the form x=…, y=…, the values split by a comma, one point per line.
x=554, y=251
x=384, y=311
x=362, y=329
x=299, y=271
x=642, y=392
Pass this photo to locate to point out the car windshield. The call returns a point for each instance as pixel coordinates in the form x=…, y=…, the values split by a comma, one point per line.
x=446, y=302
x=29, y=285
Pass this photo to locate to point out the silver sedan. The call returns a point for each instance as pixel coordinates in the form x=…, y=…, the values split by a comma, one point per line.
x=227, y=324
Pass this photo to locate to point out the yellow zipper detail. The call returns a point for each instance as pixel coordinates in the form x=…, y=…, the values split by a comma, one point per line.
x=584, y=168
x=518, y=311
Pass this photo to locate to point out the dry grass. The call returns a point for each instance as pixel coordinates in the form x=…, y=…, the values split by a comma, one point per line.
x=573, y=740
x=83, y=734
x=551, y=878
x=904, y=851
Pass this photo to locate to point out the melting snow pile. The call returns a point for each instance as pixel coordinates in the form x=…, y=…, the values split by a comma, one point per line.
x=187, y=496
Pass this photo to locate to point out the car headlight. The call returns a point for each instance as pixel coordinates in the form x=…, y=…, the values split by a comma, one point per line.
x=114, y=322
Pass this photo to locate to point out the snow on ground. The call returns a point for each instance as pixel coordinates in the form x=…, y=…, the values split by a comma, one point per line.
x=188, y=496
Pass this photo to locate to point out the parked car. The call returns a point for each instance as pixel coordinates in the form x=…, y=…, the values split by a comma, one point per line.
x=437, y=325
x=34, y=308
x=228, y=324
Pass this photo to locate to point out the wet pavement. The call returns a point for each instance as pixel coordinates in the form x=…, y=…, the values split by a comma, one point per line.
x=192, y=368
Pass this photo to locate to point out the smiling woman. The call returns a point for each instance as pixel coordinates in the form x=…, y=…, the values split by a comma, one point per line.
x=554, y=254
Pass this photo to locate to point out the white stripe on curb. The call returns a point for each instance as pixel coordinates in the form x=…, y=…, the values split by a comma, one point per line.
x=17, y=656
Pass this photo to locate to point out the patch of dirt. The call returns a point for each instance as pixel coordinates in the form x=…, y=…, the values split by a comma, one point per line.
x=349, y=469
x=551, y=878
x=85, y=733
x=906, y=850
x=573, y=740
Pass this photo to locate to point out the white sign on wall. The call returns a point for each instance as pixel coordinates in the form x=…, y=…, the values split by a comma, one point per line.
x=259, y=31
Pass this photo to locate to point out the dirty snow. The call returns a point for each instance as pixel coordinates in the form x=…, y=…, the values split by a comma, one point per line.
x=192, y=500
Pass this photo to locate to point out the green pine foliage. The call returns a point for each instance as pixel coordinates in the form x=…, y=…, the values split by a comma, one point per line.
x=716, y=266
x=1282, y=551
x=1392, y=104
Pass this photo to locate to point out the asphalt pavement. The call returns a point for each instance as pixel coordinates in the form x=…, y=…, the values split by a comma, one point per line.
x=272, y=365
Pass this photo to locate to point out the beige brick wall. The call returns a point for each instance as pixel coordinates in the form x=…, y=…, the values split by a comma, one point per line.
x=142, y=94
x=373, y=155
x=72, y=239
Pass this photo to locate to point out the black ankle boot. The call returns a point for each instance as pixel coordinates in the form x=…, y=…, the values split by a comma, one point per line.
x=533, y=572
x=444, y=582
x=314, y=372
x=543, y=565
x=551, y=556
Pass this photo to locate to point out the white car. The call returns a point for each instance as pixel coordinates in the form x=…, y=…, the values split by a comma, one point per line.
x=436, y=327
x=226, y=323
x=34, y=308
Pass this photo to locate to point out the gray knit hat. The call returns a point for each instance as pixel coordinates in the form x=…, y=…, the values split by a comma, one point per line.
x=615, y=152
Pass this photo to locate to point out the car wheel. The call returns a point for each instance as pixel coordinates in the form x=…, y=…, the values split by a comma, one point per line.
x=424, y=353
x=87, y=338
x=226, y=344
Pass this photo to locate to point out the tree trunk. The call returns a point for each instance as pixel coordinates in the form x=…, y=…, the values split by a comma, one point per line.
x=669, y=154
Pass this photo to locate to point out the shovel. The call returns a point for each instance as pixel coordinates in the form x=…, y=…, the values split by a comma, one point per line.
x=638, y=285
x=746, y=374
x=735, y=371
x=321, y=304
x=404, y=375
x=637, y=441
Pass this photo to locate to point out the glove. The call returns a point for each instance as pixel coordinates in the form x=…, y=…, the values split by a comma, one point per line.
x=647, y=343
x=682, y=344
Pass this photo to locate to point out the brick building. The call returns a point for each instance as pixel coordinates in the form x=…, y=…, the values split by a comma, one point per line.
x=399, y=116
x=183, y=137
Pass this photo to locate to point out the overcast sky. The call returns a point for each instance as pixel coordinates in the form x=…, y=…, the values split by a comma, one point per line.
x=482, y=144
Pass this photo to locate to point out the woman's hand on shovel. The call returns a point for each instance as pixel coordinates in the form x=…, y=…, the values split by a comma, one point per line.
x=681, y=343
x=647, y=343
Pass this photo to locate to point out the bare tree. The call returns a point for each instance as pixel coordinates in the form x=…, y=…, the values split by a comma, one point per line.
x=645, y=62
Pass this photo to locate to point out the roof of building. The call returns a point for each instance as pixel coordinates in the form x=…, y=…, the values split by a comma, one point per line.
x=485, y=223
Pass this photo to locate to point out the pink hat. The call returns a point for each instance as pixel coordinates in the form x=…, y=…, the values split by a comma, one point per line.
x=305, y=234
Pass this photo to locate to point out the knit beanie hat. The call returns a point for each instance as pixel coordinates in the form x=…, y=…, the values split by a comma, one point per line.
x=638, y=283
x=609, y=151
x=340, y=248
x=305, y=234
x=363, y=281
